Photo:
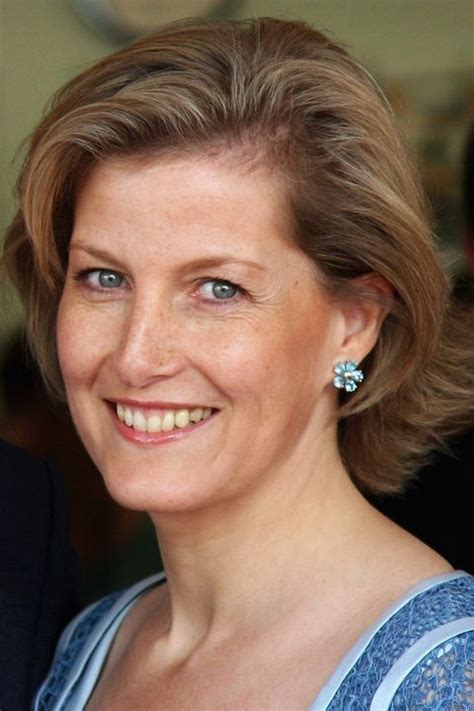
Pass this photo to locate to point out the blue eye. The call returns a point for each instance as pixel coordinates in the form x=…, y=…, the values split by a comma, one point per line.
x=219, y=289
x=109, y=280
x=103, y=278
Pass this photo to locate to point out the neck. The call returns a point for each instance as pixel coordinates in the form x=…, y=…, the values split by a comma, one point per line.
x=245, y=560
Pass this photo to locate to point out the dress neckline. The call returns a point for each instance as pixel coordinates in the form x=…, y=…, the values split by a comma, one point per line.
x=350, y=658
x=95, y=652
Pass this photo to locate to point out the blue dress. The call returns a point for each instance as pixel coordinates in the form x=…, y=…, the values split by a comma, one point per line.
x=418, y=656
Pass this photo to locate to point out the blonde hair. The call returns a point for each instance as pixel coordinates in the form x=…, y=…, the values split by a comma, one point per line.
x=304, y=106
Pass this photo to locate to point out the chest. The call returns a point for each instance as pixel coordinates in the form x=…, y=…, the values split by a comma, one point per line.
x=246, y=679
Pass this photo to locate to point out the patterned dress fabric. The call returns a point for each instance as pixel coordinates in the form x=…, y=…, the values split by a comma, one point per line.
x=419, y=656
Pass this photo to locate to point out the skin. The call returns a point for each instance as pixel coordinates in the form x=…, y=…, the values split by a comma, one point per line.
x=262, y=532
x=264, y=360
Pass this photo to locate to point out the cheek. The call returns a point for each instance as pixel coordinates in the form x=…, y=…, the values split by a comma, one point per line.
x=77, y=343
x=272, y=361
x=66, y=344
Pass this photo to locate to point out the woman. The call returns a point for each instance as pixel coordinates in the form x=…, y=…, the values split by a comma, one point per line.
x=218, y=224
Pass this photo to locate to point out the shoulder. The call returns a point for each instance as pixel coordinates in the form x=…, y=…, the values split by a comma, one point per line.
x=436, y=670
x=429, y=633
x=85, y=643
x=436, y=673
x=72, y=643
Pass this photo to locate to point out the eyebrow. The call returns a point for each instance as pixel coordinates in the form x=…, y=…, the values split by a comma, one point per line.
x=220, y=260
x=194, y=265
x=100, y=254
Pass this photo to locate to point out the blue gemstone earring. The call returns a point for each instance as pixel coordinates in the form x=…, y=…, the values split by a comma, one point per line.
x=348, y=377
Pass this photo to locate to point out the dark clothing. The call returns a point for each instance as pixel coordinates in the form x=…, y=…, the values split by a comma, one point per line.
x=38, y=574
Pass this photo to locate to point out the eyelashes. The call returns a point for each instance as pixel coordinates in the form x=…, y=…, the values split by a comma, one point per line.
x=220, y=289
x=212, y=290
x=100, y=279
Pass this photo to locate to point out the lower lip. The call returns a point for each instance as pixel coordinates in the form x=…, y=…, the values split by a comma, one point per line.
x=154, y=438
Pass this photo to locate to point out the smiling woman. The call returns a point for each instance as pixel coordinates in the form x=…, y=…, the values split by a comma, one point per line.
x=228, y=271
x=156, y=341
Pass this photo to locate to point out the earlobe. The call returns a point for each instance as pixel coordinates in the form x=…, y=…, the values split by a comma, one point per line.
x=347, y=376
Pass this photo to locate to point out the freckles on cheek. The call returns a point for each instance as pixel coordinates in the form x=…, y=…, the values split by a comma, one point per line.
x=252, y=365
x=76, y=344
x=72, y=358
x=232, y=359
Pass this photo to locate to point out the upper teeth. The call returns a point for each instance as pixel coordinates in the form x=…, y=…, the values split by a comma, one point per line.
x=163, y=421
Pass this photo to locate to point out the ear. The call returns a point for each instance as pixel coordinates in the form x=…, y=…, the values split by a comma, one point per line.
x=364, y=313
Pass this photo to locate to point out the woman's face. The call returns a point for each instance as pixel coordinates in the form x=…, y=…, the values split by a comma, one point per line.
x=195, y=343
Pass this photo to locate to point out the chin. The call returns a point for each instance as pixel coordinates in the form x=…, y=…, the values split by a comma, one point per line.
x=160, y=495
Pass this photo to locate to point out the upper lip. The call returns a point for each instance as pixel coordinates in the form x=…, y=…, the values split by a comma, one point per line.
x=157, y=404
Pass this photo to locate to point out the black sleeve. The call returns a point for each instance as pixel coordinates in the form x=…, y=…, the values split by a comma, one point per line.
x=38, y=574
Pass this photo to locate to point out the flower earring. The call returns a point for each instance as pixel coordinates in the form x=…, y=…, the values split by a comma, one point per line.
x=347, y=376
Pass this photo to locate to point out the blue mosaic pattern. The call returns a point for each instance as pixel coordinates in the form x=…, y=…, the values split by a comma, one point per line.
x=62, y=666
x=447, y=602
x=442, y=681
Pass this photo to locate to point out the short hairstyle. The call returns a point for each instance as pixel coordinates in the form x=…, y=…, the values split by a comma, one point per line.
x=297, y=101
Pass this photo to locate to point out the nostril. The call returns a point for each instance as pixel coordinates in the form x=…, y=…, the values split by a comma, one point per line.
x=137, y=371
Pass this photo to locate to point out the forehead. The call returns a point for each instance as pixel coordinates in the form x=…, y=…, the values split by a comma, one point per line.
x=208, y=201
x=222, y=176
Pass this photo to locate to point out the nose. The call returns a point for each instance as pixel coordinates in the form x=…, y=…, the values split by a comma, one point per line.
x=150, y=347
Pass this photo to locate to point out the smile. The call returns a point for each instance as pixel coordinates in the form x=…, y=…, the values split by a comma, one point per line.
x=155, y=421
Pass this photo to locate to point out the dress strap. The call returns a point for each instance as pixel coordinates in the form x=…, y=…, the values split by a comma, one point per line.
x=355, y=654
x=84, y=646
x=413, y=656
